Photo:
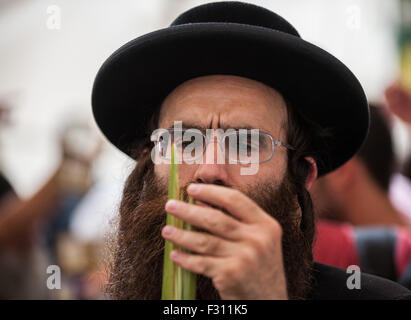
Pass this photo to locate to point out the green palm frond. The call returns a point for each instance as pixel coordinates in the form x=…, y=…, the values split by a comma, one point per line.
x=178, y=284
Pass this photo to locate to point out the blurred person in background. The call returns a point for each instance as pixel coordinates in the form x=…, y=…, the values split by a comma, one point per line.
x=382, y=251
x=22, y=263
x=23, y=256
x=359, y=224
x=78, y=259
x=358, y=191
x=399, y=103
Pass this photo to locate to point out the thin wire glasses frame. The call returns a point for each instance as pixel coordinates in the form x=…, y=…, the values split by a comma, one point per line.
x=220, y=140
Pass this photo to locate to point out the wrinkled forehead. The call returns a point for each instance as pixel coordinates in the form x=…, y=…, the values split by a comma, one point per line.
x=224, y=101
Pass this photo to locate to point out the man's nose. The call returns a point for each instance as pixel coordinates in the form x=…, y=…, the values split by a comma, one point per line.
x=213, y=169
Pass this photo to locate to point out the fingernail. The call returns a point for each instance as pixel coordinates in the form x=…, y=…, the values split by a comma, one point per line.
x=168, y=230
x=171, y=205
x=193, y=188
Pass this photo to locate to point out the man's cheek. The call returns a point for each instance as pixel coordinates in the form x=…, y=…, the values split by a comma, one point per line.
x=251, y=170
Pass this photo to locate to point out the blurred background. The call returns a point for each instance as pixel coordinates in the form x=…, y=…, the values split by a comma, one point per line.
x=62, y=174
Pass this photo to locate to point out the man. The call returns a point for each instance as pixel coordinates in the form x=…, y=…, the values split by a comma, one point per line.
x=374, y=235
x=230, y=65
x=358, y=191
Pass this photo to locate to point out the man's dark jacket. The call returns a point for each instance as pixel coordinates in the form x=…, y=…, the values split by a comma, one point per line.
x=330, y=283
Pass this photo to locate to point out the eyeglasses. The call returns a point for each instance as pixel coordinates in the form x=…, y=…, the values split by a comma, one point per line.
x=237, y=146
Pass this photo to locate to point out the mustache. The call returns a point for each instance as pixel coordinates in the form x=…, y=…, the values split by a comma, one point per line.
x=162, y=196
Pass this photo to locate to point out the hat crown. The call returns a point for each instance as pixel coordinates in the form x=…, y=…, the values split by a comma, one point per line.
x=236, y=12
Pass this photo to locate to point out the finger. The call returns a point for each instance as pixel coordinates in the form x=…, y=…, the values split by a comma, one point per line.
x=202, y=204
x=235, y=202
x=195, y=263
x=197, y=242
x=207, y=218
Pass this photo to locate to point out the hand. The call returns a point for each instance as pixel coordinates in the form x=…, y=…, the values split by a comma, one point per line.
x=242, y=254
x=399, y=102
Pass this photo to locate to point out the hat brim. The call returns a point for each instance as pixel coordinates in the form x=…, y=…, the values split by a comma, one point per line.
x=139, y=75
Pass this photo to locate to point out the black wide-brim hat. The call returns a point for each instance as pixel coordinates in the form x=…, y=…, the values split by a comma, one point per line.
x=231, y=38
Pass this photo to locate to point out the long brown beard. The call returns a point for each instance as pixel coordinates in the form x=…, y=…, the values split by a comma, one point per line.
x=137, y=264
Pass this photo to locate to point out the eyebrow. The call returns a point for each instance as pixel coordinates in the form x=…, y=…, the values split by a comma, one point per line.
x=188, y=125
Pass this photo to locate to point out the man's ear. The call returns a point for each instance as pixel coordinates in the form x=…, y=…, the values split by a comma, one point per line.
x=313, y=173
